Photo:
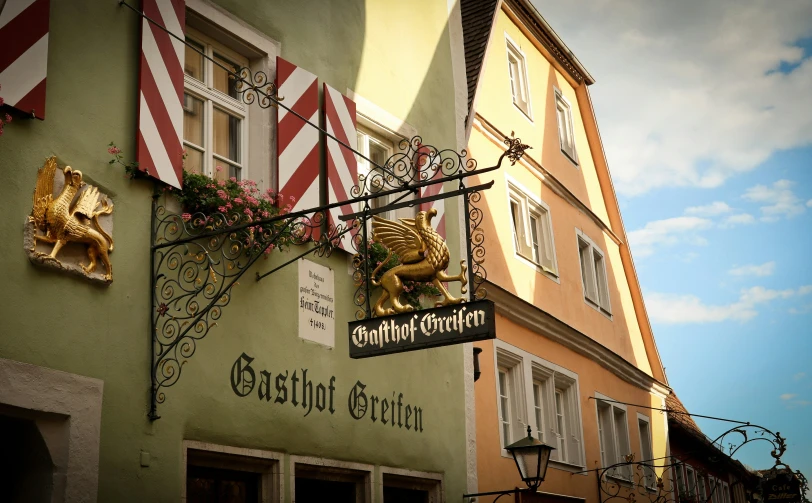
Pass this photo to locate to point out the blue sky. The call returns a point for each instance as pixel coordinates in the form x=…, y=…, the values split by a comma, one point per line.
x=705, y=111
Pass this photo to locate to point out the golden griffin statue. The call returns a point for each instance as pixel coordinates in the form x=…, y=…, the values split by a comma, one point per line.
x=423, y=257
x=60, y=220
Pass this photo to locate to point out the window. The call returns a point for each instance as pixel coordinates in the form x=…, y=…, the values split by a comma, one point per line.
x=613, y=433
x=679, y=470
x=690, y=474
x=215, y=121
x=593, y=274
x=379, y=150
x=224, y=473
x=517, y=71
x=565, y=134
x=725, y=496
x=409, y=486
x=345, y=482
x=509, y=390
x=551, y=399
x=646, y=451
x=532, y=229
x=701, y=493
x=716, y=490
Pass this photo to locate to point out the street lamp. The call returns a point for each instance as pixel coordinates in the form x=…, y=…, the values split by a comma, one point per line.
x=531, y=457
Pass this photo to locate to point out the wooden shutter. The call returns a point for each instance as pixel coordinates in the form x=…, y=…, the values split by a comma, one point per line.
x=342, y=165
x=297, y=141
x=24, y=54
x=160, y=106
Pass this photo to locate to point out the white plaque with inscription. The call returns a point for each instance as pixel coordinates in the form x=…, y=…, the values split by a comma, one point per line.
x=316, y=302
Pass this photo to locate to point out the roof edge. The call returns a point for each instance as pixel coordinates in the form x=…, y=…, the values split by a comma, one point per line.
x=547, y=36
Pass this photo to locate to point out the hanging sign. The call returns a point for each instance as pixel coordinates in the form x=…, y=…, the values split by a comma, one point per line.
x=441, y=326
x=782, y=489
x=316, y=303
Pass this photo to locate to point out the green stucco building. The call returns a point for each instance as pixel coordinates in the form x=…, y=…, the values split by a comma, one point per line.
x=257, y=412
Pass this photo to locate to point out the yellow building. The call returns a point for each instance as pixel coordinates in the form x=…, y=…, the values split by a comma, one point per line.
x=575, y=349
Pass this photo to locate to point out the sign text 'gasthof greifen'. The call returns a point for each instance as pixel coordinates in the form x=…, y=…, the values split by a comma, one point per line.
x=410, y=331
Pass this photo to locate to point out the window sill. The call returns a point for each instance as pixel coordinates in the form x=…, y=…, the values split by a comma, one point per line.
x=620, y=480
x=524, y=112
x=596, y=307
x=566, y=467
x=538, y=267
x=572, y=158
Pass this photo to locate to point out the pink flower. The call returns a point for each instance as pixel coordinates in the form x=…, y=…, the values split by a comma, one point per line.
x=218, y=169
x=293, y=199
x=280, y=197
x=221, y=183
x=288, y=208
x=8, y=117
x=233, y=178
x=248, y=212
x=186, y=217
x=265, y=214
x=222, y=209
x=222, y=194
x=228, y=205
x=237, y=200
x=112, y=150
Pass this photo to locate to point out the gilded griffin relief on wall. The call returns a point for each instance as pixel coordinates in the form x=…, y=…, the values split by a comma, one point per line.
x=70, y=224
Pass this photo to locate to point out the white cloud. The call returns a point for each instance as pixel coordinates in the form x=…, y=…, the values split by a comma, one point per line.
x=788, y=396
x=709, y=210
x=809, y=203
x=668, y=232
x=740, y=219
x=675, y=309
x=679, y=102
x=765, y=269
x=805, y=290
x=779, y=200
x=799, y=376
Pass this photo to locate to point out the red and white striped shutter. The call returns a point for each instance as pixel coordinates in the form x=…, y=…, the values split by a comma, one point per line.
x=297, y=141
x=160, y=108
x=24, y=54
x=342, y=165
x=423, y=158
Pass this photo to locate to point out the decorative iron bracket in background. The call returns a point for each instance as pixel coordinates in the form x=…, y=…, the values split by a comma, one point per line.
x=635, y=481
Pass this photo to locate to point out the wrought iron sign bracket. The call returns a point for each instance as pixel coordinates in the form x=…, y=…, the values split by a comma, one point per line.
x=197, y=259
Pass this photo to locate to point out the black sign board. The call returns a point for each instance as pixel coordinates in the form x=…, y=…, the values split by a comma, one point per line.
x=782, y=489
x=440, y=326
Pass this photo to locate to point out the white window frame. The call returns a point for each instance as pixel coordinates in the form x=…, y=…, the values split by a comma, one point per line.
x=647, y=457
x=381, y=126
x=529, y=369
x=595, y=295
x=515, y=417
x=544, y=259
x=568, y=133
x=520, y=97
x=690, y=482
x=261, y=52
x=215, y=99
x=618, y=451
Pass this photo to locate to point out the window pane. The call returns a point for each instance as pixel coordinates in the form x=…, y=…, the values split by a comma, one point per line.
x=514, y=211
x=587, y=273
x=621, y=432
x=224, y=170
x=600, y=276
x=193, y=60
x=514, y=72
x=226, y=135
x=194, y=160
x=222, y=80
x=537, y=408
x=504, y=407
x=561, y=424
x=534, y=238
x=193, y=120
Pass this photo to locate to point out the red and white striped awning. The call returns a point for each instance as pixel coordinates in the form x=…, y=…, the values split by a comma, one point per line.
x=24, y=54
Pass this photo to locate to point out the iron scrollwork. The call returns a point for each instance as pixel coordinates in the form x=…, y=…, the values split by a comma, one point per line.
x=197, y=260
x=632, y=481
